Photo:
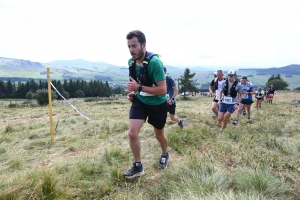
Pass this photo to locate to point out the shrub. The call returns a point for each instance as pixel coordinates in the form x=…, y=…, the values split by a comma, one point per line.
x=42, y=96
x=79, y=94
x=29, y=95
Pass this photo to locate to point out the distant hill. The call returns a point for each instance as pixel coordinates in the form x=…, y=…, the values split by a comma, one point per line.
x=18, y=69
x=79, y=63
x=201, y=69
x=293, y=69
x=21, y=70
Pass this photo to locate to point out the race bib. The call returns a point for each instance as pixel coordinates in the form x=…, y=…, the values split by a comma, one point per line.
x=227, y=99
x=245, y=96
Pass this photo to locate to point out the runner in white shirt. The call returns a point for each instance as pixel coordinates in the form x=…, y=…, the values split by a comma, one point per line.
x=216, y=84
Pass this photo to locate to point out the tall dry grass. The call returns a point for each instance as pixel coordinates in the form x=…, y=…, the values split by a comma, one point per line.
x=256, y=160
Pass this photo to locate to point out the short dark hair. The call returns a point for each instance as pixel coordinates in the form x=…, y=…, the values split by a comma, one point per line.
x=220, y=71
x=137, y=33
x=165, y=69
x=244, y=77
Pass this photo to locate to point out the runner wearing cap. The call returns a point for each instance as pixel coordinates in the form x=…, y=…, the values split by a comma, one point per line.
x=229, y=99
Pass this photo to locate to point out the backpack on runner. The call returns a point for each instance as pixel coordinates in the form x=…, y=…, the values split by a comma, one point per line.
x=143, y=78
x=233, y=92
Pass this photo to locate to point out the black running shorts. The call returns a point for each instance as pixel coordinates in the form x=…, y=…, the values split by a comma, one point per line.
x=157, y=115
x=215, y=100
x=246, y=101
x=172, y=108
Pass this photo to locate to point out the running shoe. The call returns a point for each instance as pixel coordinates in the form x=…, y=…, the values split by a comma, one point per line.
x=135, y=171
x=214, y=116
x=244, y=112
x=163, y=162
x=235, y=122
x=180, y=123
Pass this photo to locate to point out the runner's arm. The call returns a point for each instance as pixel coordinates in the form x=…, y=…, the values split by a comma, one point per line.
x=220, y=96
x=252, y=91
x=210, y=91
x=175, y=88
x=240, y=95
x=159, y=89
x=210, y=87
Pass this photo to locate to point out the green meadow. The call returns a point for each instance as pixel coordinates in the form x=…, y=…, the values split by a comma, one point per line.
x=259, y=159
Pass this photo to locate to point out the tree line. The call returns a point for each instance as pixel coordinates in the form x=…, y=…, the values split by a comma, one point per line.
x=69, y=89
x=76, y=88
x=96, y=88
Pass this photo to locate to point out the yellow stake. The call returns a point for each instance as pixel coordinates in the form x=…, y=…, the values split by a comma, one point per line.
x=50, y=106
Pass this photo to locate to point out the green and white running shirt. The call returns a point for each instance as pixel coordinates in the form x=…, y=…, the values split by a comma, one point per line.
x=156, y=74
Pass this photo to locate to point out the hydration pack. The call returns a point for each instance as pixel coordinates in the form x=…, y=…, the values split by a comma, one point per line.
x=143, y=78
x=233, y=92
x=216, y=83
x=260, y=94
x=248, y=86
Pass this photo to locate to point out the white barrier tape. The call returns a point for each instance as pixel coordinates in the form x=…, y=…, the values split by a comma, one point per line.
x=83, y=115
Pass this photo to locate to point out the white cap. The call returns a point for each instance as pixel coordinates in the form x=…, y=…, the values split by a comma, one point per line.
x=231, y=73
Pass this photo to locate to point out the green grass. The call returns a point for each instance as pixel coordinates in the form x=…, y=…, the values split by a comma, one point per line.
x=257, y=160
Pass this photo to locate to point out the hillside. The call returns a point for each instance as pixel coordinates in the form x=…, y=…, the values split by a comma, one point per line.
x=293, y=69
x=60, y=69
x=20, y=70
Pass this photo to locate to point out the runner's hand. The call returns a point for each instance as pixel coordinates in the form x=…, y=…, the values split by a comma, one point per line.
x=131, y=97
x=235, y=107
x=132, y=85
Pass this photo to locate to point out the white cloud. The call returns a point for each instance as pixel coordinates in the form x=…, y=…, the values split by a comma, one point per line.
x=237, y=33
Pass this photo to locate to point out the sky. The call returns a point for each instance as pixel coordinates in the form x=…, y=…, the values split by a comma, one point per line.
x=186, y=33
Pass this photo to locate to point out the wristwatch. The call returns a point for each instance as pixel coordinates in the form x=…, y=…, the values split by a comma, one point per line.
x=140, y=88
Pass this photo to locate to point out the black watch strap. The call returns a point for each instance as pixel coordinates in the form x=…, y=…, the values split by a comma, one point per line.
x=140, y=88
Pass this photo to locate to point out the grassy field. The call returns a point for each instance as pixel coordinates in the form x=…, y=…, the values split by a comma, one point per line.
x=256, y=160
